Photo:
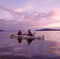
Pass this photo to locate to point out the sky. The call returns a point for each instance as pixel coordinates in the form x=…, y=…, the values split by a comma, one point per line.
x=41, y=13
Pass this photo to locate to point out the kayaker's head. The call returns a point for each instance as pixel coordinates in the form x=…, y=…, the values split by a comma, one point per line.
x=29, y=30
x=19, y=30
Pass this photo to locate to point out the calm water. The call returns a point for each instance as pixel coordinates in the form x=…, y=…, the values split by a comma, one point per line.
x=51, y=44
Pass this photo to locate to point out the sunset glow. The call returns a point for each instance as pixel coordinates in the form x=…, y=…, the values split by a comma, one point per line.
x=37, y=12
x=53, y=25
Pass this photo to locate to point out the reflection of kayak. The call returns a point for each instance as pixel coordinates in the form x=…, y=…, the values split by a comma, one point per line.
x=26, y=37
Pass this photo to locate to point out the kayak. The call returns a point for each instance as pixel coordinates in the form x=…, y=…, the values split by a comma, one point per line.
x=26, y=37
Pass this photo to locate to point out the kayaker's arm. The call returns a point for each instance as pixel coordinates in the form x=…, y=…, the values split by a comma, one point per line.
x=25, y=33
x=34, y=33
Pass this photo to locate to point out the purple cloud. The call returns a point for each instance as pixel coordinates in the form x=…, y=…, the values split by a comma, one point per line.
x=27, y=19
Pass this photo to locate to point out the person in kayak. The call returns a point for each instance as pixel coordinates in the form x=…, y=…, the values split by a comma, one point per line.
x=30, y=33
x=19, y=32
x=29, y=40
x=19, y=38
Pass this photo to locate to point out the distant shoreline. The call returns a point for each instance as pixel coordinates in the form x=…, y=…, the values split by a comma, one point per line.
x=47, y=29
x=36, y=30
x=1, y=30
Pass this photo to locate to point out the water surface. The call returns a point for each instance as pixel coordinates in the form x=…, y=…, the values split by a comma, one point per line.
x=51, y=44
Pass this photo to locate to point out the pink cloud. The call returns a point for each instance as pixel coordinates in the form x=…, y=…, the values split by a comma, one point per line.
x=57, y=14
x=26, y=8
x=40, y=18
x=18, y=9
x=37, y=18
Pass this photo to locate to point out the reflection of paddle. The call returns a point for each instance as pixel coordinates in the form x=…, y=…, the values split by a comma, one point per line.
x=34, y=33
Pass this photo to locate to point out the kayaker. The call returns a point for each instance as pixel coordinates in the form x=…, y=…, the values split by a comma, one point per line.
x=19, y=38
x=30, y=33
x=19, y=32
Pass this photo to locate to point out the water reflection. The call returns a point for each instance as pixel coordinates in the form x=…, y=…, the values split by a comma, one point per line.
x=36, y=47
x=48, y=46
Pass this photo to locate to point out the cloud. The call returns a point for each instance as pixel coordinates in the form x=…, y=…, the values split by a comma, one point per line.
x=49, y=1
x=18, y=9
x=52, y=16
x=23, y=9
x=57, y=14
x=28, y=7
x=53, y=25
x=11, y=11
x=34, y=5
x=37, y=18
